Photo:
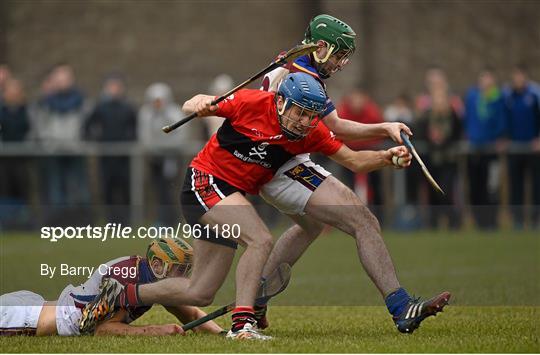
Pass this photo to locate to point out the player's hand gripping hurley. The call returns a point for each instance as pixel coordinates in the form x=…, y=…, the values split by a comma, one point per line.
x=426, y=172
x=291, y=55
x=274, y=284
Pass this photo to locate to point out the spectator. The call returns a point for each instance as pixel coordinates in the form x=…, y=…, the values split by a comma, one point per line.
x=219, y=86
x=46, y=88
x=14, y=124
x=522, y=101
x=14, y=170
x=358, y=106
x=113, y=119
x=59, y=115
x=440, y=126
x=400, y=110
x=57, y=119
x=159, y=110
x=484, y=126
x=435, y=80
x=38, y=109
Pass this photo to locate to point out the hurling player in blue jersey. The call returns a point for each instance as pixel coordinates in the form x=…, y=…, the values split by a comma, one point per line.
x=311, y=197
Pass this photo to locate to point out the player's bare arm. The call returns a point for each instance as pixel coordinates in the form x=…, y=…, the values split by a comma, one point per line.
x=202, y=104
x=349, y=130
x=116, y=326
x=186, y=314
x=365, y=161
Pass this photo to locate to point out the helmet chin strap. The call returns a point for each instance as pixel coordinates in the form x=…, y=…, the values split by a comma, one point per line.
x=325, y=58
x=323, y=73
x=281, y=110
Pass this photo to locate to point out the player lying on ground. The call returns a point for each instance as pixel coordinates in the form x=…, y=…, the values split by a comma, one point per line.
x=311, y=197
x=262, y=131
x=27, y=313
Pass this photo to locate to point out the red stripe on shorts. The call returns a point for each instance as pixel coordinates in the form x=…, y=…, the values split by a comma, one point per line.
x=205, y=188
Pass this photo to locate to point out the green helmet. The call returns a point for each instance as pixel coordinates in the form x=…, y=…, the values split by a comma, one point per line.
x=336, y=33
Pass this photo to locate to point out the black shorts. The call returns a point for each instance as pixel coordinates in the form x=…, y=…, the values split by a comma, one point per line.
x=202, y=191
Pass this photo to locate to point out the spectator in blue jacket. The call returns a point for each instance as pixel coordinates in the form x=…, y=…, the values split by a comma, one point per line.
x=485, y=120
x=522, y=101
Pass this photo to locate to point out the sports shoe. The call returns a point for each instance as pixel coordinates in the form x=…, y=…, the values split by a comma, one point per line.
x=102, y=307
x=260, y=316
x=247, y=332
x=416, y=311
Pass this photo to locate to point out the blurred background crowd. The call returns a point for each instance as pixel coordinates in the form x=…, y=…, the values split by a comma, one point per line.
x=492, y=130
x=70, y=157
x=482, y=145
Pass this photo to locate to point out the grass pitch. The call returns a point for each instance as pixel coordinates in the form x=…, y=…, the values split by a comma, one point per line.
x=330, y=305
x=338, y=329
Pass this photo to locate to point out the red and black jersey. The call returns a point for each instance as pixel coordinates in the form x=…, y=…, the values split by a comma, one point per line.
x=249, y=147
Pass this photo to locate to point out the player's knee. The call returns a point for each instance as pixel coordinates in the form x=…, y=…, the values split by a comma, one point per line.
x=263, y=242
x=365, y=220
x=205, y=300
x=267, y=243
x=202, y=299
x=370, y=220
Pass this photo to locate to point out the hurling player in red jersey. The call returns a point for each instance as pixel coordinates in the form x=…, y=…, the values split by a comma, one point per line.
x=261, y=132
x=327, y=201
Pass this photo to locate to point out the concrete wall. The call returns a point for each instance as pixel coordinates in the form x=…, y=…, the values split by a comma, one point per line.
x=188, y=43
x=461, y=36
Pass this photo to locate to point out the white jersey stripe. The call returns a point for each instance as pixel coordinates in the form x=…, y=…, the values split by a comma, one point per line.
x=216, y=188
x=195, y=192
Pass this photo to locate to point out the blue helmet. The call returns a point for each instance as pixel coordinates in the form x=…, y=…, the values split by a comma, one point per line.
x=306, y=92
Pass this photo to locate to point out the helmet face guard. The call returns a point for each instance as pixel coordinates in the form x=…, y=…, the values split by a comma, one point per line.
x=297, y=121
x=175, y=254
x=332, y=63
x=304, y=99
x=171, y=268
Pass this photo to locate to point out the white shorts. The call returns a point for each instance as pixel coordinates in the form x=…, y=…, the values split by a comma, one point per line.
x=292, y=185
x=67, y=314
x=19, y=312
